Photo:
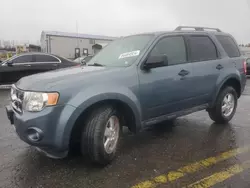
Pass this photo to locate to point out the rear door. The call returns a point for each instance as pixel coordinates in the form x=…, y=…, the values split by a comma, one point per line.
x=44, y=62
x=231, y=48
x=234, y=59
x=205, y=58
x=20, y=67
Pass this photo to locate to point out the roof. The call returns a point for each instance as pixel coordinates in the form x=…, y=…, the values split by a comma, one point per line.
x=196, y=30
x=158, y=33
x=36, y=53
x=79, y=35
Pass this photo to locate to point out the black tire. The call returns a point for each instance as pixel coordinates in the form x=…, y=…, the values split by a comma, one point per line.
x=215, y=113
x=92, y=140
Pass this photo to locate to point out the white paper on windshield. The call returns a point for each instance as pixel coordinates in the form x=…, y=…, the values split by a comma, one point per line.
x=129, y=54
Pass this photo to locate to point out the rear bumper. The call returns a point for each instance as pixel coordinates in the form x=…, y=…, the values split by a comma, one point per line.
x=49, y=126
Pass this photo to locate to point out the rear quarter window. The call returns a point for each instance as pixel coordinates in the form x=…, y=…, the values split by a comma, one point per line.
x=229, y=45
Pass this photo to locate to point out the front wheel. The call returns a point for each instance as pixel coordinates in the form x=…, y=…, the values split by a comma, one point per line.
x=225, y=106
x=101, y=135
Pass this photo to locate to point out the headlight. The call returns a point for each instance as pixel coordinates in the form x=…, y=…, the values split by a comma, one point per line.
x=36, y=101
x=12, y=93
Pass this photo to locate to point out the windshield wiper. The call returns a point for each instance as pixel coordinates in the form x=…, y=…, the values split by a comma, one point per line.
x=96, y=64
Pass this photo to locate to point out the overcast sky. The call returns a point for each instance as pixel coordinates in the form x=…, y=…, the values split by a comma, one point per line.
x=25, y=19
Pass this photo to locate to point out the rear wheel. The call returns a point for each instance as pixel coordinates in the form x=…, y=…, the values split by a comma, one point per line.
x=101, y=135
x=225, y=106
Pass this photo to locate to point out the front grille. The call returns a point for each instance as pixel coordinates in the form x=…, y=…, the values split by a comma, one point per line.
x=17, y=99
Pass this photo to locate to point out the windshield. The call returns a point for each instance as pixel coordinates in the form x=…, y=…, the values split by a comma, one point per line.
x=122, y=52
x=9, y=58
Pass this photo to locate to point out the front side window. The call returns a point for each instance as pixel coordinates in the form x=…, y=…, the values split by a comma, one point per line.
x=45, y=58
x=122, y=52
x=22, y=59
x=202, y=48
x=173, y=47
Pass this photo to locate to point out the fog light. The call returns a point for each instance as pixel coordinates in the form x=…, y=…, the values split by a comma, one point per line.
x=34, y=134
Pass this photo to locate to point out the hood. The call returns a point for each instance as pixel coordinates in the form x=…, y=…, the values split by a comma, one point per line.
x=73, y=75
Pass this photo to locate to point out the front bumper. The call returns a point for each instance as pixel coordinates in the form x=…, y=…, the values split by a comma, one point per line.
x=52, y=124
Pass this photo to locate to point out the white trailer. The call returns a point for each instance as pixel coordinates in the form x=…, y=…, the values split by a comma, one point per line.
x=69, y=44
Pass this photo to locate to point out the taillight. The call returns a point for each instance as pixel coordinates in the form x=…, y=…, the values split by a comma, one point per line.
x=245, y=66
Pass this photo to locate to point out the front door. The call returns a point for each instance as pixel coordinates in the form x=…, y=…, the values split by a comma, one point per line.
x=19, y=67
x=167, y=89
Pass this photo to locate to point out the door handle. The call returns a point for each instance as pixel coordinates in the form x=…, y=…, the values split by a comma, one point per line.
x=27, y=65
x=183, y=73
x=219, y=67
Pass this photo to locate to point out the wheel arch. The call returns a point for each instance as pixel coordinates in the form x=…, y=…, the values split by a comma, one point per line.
x=124, y=104
x=232, y=81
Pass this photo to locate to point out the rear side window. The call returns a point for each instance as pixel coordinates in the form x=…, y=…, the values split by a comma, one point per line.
x=45, y=58
x=229, y=45
x=202, y=48
x=173, y=47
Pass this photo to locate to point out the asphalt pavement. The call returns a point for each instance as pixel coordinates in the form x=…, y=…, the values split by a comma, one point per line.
x=192, y=152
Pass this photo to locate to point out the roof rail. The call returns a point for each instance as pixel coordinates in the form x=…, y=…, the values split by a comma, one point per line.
x=179, y=28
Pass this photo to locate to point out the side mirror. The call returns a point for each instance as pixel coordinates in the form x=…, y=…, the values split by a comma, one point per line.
x=83, y=62
x=156, y=61
x=248, y=61
x=9, y=63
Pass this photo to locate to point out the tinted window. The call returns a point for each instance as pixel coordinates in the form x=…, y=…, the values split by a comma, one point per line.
x=23, y=59
x=173, y=47
x=202, y=48
x=229, y=45
x=45, y=58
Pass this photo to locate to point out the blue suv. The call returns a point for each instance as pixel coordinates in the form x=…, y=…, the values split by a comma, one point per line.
x=135, y=81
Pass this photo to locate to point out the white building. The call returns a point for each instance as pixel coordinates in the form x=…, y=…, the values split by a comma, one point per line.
x=71, y=45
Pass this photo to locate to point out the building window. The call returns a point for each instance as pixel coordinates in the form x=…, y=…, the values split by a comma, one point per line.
x=85, y=52
x=77, y=52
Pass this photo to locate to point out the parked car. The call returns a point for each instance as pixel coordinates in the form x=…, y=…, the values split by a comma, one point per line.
x=135, y=81
x=26, y=64
x=83, y=59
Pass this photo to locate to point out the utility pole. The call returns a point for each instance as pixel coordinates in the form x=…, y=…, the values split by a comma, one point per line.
x=248, y=3
x=77, y=34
